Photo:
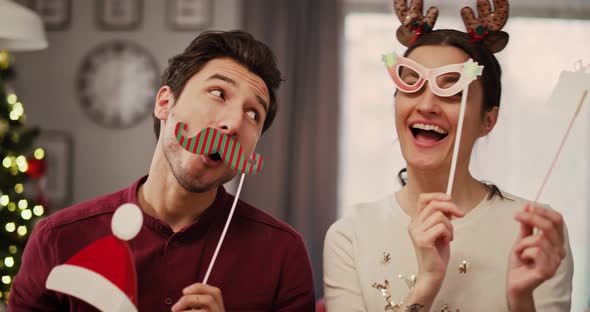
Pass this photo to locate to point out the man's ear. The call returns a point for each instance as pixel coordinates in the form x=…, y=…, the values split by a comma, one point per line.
x=164, y=102
x=489, y=121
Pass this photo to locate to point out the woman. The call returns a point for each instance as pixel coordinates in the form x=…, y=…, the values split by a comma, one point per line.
x=421, y=249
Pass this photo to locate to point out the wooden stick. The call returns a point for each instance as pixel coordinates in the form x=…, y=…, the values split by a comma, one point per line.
x=567, y=132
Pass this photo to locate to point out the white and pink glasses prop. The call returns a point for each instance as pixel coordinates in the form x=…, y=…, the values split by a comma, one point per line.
x=445, y=81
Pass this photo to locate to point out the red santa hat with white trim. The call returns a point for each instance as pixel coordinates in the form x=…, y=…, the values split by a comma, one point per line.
x=103, y=273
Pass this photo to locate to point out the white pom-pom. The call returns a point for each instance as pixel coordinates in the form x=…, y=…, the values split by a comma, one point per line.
x=127, y=221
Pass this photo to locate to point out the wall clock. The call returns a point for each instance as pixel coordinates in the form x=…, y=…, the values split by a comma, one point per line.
x=117, y=83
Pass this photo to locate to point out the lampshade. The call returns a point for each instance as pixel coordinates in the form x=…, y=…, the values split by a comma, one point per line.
x=21, y=29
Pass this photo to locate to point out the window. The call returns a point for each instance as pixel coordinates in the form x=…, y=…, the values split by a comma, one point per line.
x=515, y=156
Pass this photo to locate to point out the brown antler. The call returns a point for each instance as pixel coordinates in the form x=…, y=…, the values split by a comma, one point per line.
x=488, y=24
x=413, y=22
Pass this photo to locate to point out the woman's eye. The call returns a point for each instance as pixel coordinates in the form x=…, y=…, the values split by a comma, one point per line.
x=408, y=75
x=253, y=114
x=217, y=93
x=410, y=80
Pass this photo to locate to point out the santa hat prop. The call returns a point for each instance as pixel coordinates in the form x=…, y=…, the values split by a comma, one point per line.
x=103, y=273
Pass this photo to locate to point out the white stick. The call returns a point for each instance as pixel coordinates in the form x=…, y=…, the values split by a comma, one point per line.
x=231, y=213
x=457, y=141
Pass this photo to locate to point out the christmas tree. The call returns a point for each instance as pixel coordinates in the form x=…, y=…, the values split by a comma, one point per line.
x=21, y=200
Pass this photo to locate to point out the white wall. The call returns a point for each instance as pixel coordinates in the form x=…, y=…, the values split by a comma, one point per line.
x=104, y=160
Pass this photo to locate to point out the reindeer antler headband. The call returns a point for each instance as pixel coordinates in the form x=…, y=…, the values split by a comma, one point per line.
x=414, y=23
x=486, y=28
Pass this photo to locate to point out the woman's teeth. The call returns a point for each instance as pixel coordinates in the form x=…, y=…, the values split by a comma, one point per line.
x=428, y=127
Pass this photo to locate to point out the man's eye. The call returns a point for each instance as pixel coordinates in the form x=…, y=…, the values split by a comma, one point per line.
x=253, y=114
x=218, y=93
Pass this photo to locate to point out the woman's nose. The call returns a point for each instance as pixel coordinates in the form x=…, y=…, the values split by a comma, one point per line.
x=427, y=101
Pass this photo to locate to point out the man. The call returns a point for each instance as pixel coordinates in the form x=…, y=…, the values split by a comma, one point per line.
x=226, y=81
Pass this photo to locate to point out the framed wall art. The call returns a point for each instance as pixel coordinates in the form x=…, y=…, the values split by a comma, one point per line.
x=119, y=14
x=58, y=147
x=189, y=14
x=55, y=14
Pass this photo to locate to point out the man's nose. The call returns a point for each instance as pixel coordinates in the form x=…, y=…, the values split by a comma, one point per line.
x=230, y=122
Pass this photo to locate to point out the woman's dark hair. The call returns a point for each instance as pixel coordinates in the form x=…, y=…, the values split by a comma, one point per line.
x=493, y=190
x=491, y=76
x=402, y=175
x=490, y=80
x=237, y=45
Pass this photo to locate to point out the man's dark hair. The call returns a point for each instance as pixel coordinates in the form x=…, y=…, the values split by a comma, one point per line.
x=238, y=45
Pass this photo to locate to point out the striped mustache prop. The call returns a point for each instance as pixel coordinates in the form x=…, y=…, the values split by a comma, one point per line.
x=212, y=141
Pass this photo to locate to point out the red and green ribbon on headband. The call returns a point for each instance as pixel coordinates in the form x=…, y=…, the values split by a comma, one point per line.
x=478, y=34
x=210, y=141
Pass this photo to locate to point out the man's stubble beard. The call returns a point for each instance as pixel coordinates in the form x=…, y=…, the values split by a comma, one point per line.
x=192, y=184
x=196, y=186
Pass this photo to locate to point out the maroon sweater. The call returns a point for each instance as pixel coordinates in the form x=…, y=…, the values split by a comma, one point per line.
x=262, y=265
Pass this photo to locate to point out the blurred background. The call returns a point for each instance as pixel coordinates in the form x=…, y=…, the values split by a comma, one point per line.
x=84, y=127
